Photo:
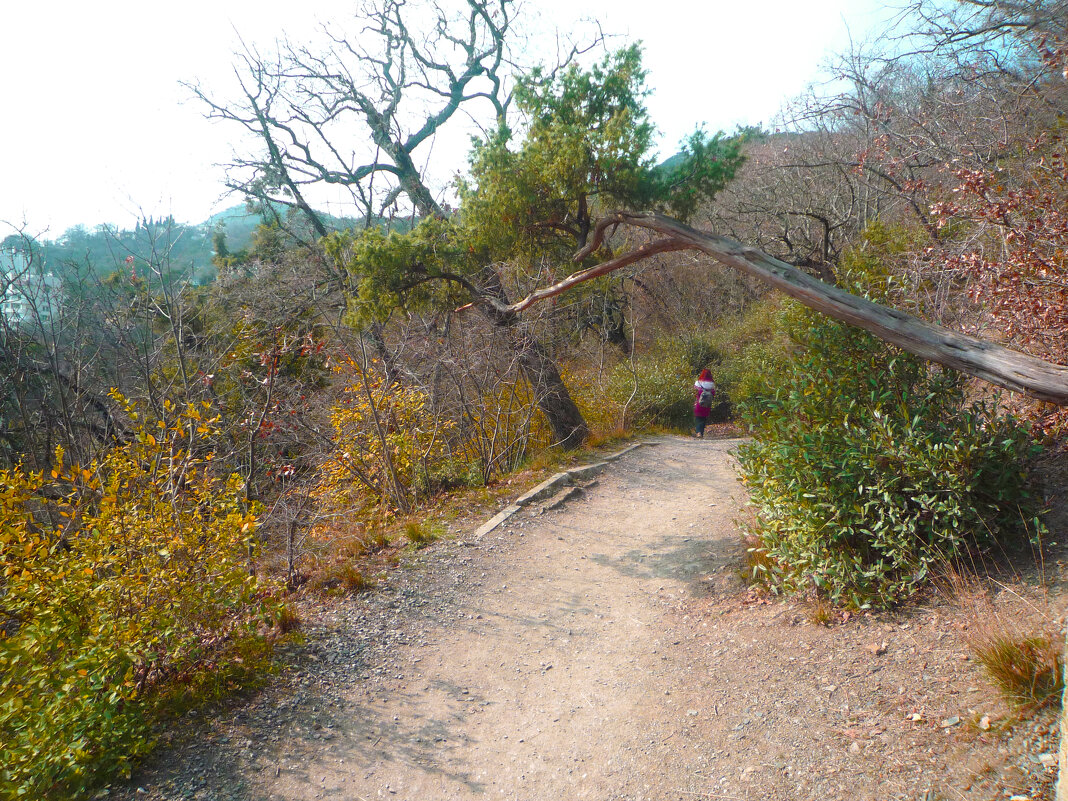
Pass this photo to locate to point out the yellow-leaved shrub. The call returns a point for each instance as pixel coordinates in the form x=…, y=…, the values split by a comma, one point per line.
x=120, y=579
x=383, y=441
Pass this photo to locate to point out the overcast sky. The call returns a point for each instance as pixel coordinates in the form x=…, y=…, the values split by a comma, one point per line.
x=96, y=127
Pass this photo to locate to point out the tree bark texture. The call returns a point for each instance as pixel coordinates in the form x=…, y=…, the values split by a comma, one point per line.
x=539, y=368
x=986, y=360
x=555, y=402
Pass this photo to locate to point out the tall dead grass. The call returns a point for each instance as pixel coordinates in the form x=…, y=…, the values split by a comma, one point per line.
x=1016, y=634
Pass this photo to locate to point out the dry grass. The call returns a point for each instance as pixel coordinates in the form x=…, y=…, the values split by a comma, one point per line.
x=1018, y=639
x=549, y=459
x=340, y=575
x=609, y=439
x=375, y=541
x=1028, y=670
x=354, y=580
x=287, y=619
x=822, y=612
x=421, y=533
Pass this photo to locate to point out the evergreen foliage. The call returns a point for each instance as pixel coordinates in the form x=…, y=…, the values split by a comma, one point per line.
x=529, y=204
x=870, y=470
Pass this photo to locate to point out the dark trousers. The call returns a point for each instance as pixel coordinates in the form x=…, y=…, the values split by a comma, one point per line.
x=699, y=424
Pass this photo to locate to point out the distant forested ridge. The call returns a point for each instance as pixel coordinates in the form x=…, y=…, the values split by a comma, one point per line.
x=184, y=250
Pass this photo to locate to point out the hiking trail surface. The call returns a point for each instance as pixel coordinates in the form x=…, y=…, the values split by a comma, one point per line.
x=605, y=648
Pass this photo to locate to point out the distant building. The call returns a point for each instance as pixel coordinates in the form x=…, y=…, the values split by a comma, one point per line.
x=26, y=293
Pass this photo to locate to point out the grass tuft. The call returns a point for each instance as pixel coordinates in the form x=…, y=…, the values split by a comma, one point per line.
x=421, y=534
x=287, y=619
x=822, y=612
x=354, y=580
x=376, y=540
x=1028, y=670
x=1017, y=640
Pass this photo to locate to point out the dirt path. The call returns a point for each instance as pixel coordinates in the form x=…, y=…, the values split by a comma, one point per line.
x=606, y=650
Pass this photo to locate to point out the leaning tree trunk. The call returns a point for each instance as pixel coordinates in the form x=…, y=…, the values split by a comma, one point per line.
x=553, y=398
x=550, y=392
x=989, y=361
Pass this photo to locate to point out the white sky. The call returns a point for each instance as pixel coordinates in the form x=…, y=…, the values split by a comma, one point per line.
x=95, y=127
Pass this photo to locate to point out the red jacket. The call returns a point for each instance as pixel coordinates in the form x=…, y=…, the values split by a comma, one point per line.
x=698, y=409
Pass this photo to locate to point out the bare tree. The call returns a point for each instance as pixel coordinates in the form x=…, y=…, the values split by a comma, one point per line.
x=360, y=115
x=793, y=200
x=952, y=86
x=51, y=364
x=366, y=109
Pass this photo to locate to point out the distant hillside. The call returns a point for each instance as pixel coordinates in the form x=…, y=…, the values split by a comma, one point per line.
x=186, y=250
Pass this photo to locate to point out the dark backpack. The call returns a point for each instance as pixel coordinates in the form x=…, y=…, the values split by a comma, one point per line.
x=704, y=400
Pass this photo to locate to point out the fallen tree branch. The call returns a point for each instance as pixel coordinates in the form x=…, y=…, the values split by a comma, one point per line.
x=643, y=252
x=986, y=360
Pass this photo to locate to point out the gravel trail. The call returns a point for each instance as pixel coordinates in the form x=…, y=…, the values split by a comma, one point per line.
x=605, y=649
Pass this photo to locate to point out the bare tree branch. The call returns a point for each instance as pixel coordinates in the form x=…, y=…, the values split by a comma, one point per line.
x=389, y=81
x=986, y=360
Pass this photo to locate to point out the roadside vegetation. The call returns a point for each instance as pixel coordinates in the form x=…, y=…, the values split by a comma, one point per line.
x=181, y=462
x=870, y=471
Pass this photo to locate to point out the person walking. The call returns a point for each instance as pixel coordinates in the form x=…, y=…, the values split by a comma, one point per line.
x=704, y=390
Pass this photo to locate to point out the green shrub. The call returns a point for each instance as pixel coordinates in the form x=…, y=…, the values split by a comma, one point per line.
x=750, y=374
x=744, y=354
x=753, y=349
x=868, y=469
x=657, y=389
